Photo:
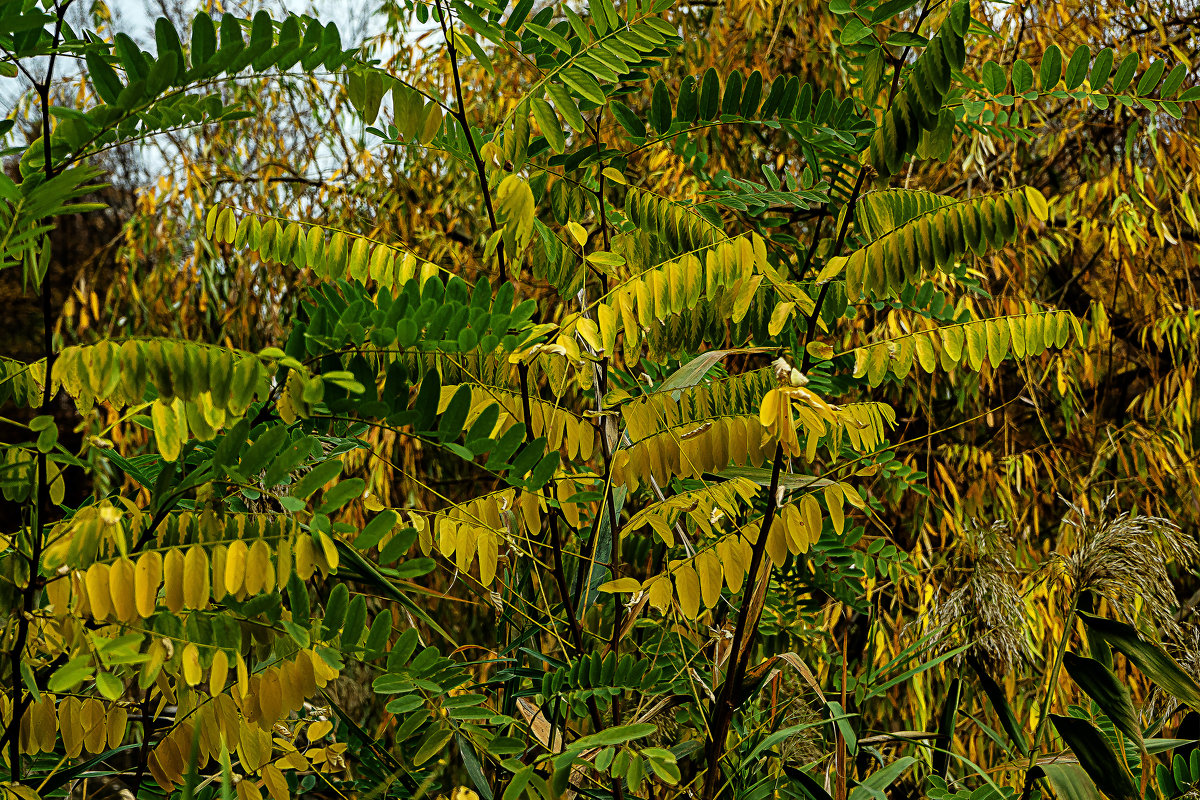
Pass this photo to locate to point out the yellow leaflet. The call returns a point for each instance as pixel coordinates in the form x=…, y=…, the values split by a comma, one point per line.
x=687, y=587
x=833, y=501
x=190, y=662
x=708, y=568
x=97, y=589
x=173, y=567
x=195, y=578
x=658, y=592
x=620, y=585
x=167, y=428
x=260, y=575
x=218, y=673
x=779, y=317
x=235, y=568
x=147, y=578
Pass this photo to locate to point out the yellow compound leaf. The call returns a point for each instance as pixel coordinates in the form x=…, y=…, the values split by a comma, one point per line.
x=243, y=676
x=734, y=553
x=779, y=317
x=489, y=556
x=926, y=356
x=248, y=790
x=577, y=233
x=305, y=675
x=293, y=697
x=319, y=730
x=170, y=427
x=329, y=554
x=952, y=342
x=976, y=345
x=283, y=562
x=997, y=341
x=195, y=578
x=156, y=654
x=219, y=555
x=173, y=570
x=147, y=578
x=45, y=724
x=792, y=523
x=58, y=595
x=1037, y=203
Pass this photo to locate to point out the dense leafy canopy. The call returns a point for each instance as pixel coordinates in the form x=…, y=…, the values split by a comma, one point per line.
x=761, y=399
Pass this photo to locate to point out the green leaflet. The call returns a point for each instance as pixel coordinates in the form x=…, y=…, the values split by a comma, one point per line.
x=915, y=232
x=916, y=108
x=660, y=108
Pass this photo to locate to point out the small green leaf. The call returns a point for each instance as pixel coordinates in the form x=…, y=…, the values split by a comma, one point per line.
x=1022, y=76
x=1101, y=69
x=628, y=119
x=616, y=735
x=335, y=611
x=1051, y=69
x=110, y=686
x=1078, y=65
x=103, y=77
x=1125, y=73
x=686, y=104
x=316, y=478
x=710, y=95
x=450, y=425
x=1150, y=78
x=660, y=108
x=341, y=494
x=566, y=106
x=584, y=84
x=547, y=122
x=993, y=78
x=854, y=31
x=376, y=529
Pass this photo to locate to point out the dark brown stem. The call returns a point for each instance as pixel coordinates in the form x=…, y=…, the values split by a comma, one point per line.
x=144, y=750
x=461, y=115
x=614, y=564
x=743, y=635
x=34, y=582
x=560, y=575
